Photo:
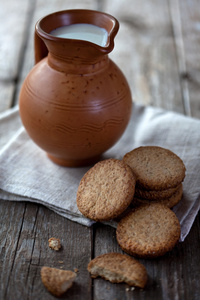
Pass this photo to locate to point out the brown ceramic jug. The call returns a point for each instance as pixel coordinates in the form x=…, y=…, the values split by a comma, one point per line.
x=75, y=103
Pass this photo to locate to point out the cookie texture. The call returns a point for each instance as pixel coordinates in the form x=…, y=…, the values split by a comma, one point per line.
x=106, y=190
x=57, y=281
x=117, y=267
x=156, y=168
x=155, y=195
x=169, y=202
x=148, y=231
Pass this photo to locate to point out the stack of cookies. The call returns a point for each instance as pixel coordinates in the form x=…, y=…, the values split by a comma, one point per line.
x=148, y=178
x=159, y=174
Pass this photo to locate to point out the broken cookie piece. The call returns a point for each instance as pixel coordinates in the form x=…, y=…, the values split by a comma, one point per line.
x=56, y=281
x=117, y=267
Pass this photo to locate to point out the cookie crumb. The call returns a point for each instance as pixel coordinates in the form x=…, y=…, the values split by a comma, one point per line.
x=76, y=270
x=54, y=244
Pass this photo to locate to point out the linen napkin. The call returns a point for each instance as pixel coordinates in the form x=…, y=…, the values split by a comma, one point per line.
x=26, y=173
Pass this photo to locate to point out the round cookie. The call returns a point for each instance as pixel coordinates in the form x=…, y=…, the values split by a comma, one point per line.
x=117, y=267
x=155, y=168
x=155, y=195
x=148, y=231
x=169, y=202
x=106, y=190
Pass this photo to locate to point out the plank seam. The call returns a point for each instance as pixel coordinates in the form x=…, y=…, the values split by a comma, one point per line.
x=15, y=251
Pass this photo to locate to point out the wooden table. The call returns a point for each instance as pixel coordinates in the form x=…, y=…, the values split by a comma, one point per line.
x=157, y=48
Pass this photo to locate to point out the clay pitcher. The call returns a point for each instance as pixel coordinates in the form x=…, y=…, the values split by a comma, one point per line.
x=75, y=103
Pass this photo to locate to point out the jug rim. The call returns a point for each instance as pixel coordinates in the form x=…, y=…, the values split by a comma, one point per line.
x=57, y=19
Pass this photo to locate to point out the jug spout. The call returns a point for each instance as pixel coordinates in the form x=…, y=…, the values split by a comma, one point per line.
x=81, y=51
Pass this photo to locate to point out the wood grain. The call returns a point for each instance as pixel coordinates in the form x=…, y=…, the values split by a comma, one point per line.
x=24, y=250
x=146, y=52
x=190, y=17
x=12, y=36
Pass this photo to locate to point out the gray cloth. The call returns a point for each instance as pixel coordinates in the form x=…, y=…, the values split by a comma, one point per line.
x=26, y=174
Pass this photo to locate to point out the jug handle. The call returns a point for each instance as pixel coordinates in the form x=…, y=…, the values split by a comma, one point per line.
x=40, y=48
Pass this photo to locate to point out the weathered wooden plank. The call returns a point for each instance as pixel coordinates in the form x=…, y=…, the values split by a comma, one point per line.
x=190, y=28
x=24, y=250
x=12, y=36
x=11, y=215
x=146, y=15
x=145, y=52
x=178, y=38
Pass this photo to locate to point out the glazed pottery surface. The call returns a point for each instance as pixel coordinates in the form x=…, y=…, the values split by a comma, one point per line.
x=75, y=103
